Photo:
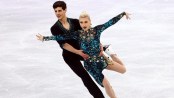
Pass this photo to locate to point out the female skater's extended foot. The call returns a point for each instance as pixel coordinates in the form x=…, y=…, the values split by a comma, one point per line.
x=111, y=54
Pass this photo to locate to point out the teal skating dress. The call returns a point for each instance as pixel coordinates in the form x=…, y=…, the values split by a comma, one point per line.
x=90, y=44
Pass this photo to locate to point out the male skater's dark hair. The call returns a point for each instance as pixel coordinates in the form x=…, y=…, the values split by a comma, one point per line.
x=59, y=4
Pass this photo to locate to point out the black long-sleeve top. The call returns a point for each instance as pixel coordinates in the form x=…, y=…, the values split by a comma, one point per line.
x=58, y=29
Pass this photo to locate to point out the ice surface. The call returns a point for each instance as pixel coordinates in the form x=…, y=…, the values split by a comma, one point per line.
x=31, y=69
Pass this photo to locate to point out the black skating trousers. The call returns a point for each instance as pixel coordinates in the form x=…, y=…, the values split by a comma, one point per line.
x=77, y=67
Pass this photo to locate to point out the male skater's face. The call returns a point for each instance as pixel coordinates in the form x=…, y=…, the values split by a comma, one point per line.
x=60, y=13
x=85, y=23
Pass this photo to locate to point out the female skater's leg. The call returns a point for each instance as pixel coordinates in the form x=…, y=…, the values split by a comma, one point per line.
x=116, y=59
x=110, y=52
x=116, y=67
x=112, y=65
x=108, y=88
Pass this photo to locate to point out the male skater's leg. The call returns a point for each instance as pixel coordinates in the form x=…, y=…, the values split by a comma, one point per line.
x=78, y=68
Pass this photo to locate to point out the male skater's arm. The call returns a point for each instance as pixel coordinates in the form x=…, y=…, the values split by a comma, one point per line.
x=66, y=46
x=76, y=51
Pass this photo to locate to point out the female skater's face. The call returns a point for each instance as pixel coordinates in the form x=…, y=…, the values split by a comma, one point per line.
x=85, y=23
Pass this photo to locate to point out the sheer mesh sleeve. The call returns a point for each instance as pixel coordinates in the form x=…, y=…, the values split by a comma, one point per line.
x=102, y=27
x=61, y=37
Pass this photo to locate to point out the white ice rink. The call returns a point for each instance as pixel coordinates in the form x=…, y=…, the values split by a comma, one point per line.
x=32, y=69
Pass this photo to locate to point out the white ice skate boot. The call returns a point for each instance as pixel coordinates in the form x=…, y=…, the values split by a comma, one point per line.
x=107, y=57
x=108, y=50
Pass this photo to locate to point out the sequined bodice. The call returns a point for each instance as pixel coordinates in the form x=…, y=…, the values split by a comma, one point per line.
x=90, y=42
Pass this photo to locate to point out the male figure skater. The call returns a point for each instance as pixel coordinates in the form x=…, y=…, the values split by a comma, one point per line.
x=71, y=47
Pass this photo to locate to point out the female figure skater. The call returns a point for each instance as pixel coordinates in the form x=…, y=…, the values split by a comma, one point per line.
x=89, y=40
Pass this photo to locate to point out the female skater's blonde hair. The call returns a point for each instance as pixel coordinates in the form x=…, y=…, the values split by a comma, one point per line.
x=84, y=14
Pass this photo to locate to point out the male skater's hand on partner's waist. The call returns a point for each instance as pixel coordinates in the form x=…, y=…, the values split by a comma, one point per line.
x=80, y=52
